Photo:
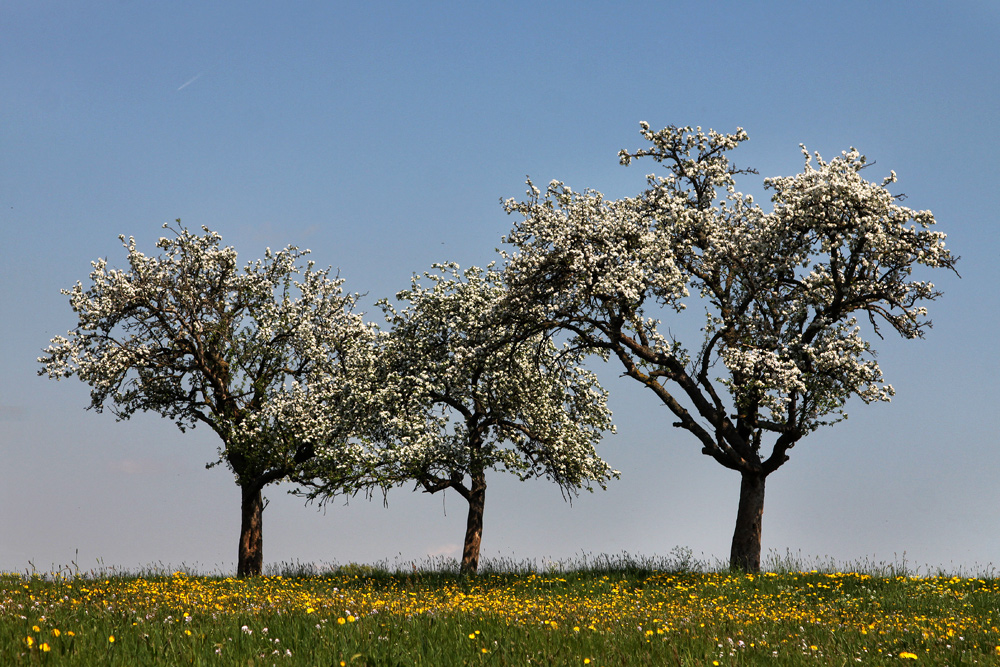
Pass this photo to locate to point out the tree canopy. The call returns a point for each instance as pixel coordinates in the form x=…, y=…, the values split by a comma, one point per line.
x=455, y=396
x=781, y=292
x=190, y=335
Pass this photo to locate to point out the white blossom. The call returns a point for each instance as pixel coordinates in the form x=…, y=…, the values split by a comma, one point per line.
x=781, y=289
x=190, y=335
x=456, y=393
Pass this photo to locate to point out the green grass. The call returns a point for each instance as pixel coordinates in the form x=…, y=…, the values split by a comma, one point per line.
x=617, y=610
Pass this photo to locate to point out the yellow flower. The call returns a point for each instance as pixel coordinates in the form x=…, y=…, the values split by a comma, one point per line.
x=71, y=633
x=341, y=621
x=45, y=647
x=485, y=650
x=310, y=610
x=351, y=619
x=907, y=656
x=36, y=628
x=472, y=635
x=586, y=661
x=55, y=632
x=30, y=641
x=111, y=639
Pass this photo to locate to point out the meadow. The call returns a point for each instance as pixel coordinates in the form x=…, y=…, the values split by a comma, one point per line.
x=603, y=613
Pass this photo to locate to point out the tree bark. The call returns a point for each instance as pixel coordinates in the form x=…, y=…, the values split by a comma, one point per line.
x=474, y=524
x=251, y=556
x=745, y=553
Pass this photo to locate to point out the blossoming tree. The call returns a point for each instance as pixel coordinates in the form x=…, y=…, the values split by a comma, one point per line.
x=782, y=290
x=454, y=398
x=191, y=336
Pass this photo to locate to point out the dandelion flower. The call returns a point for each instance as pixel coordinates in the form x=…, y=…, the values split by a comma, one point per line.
x=907, y=656
x=45, y=647
x=111, y=639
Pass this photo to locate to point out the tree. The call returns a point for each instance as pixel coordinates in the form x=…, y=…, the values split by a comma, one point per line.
x=190, y=336
x=455, y=398
x=782, y=349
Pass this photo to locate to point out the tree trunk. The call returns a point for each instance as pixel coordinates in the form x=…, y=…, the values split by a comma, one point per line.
x=474, y=525
x=251, y=557
x=745, y=554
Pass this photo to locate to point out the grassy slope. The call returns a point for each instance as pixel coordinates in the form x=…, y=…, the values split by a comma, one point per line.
x=610, y=613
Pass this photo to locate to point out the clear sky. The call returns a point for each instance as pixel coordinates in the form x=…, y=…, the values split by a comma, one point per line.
x=382, y=136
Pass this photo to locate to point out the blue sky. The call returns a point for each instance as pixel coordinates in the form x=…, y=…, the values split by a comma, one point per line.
x=382, y=136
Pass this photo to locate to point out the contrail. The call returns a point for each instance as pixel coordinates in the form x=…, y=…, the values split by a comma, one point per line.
x=195, y=78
